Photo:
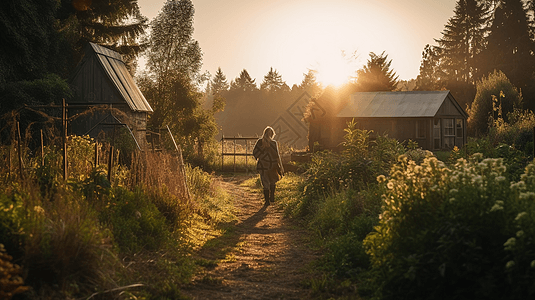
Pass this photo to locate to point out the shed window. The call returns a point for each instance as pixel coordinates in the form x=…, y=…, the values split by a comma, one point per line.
x=420, y=129
x=449, y=133
x=436, y=133
x=448, y=127
x=459, y=128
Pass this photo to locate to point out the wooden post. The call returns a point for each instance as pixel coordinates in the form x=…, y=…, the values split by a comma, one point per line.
x=234, y=154
x=96, y=154
x=181, y=163
x=9, y=161
x=19, y=148
x=246, y=165
x=110, y=163
x=222, y=150
x=64, y=124
x=42, y=149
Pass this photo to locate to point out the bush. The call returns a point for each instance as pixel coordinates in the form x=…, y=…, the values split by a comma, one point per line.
x=135, y=221
x=454, y=232
x=495, y=98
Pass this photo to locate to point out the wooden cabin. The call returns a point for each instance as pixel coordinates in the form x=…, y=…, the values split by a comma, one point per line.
x=101, y=78
x=433, y=119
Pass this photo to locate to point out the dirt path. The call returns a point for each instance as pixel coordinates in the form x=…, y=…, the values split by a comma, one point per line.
x=265, y=256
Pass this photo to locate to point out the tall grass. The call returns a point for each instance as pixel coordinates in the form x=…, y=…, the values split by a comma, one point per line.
x=87, y=234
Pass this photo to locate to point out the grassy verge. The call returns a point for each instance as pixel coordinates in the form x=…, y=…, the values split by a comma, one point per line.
x=130, y=238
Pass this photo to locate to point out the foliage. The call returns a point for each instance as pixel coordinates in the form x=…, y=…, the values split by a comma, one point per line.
x=117, y=24
x=510, y=47
x=376, y=75
x=461, y=43
x=10, y=281
x=495, y=98
x=135, y=221
x=30, y=43
x=49, y=89
x=69, y=235
x=243, y=82
x=273, y=82
x=451, y=232
x=171, y=84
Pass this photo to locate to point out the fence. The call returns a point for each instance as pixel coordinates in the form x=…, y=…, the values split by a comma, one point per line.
x=240, y=147
x=102, y=154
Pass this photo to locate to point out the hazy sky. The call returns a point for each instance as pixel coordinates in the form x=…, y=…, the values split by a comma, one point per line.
x=293, y=36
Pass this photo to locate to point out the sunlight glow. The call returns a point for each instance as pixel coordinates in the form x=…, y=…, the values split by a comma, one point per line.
x=334, y=70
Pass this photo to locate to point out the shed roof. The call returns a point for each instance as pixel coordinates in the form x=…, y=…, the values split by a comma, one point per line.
x=394, y=104
x=115, y=68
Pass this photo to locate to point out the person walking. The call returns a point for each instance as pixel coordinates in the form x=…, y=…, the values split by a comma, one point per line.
x=269, y=164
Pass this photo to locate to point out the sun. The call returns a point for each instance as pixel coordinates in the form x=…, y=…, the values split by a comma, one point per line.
x=334, y=70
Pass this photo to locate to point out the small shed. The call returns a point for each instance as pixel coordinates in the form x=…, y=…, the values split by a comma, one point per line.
x=433, y=119
x=101, y=78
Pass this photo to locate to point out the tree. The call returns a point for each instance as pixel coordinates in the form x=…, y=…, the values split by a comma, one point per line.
x=494, y=92
x=219, y=85
x=376, y=75
x=244, y=82
x=430, y=74
x=30, y=44
x=510, y=48
x=273, y=82
x=309, y=82
x=174, y=63
x=116, y=24
x=462, y=41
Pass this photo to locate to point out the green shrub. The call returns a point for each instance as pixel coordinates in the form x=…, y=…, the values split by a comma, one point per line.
x=136, y=222
x=495, y=98
x=450, y=232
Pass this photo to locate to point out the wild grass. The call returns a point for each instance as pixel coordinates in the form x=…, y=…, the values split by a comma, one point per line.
x=88, y=235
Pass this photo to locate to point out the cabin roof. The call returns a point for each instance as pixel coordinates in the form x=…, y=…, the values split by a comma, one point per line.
x=395, y=104
x=114, y=66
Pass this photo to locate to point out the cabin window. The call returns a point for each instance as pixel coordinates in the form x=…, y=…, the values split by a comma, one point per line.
x=420, y=129
x=449, y=133
x=436, y=133
x=459, y=128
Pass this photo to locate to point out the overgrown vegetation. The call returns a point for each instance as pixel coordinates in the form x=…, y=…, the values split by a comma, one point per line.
x=88, y=235
x=395, y=222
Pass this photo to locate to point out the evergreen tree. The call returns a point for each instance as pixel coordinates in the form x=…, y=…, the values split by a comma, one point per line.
x=244, y=82
x=309, y=82
x=376, y=75
x=430, y=74
x=510, y=48
x=461, y=43
x=30, y=46
x=116, y=24
x=273, y=82
x=219, y=84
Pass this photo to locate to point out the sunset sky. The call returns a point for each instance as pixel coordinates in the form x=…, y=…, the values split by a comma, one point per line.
x=293, y=36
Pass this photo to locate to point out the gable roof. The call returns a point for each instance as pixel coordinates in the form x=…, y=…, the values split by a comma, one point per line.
x=116, y=71
x=396, y=104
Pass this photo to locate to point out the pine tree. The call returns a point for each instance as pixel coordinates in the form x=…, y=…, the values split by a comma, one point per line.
x=219, y=84
x=510, y=48
x=116, y=24
x=273, y=82
x=376, y=75
x=244, y=82
x=309, y=82
x=430, y=74
x=461, y=43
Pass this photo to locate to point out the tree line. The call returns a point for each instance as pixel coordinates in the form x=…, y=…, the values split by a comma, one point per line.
x=483, y=36
x=43, y=41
